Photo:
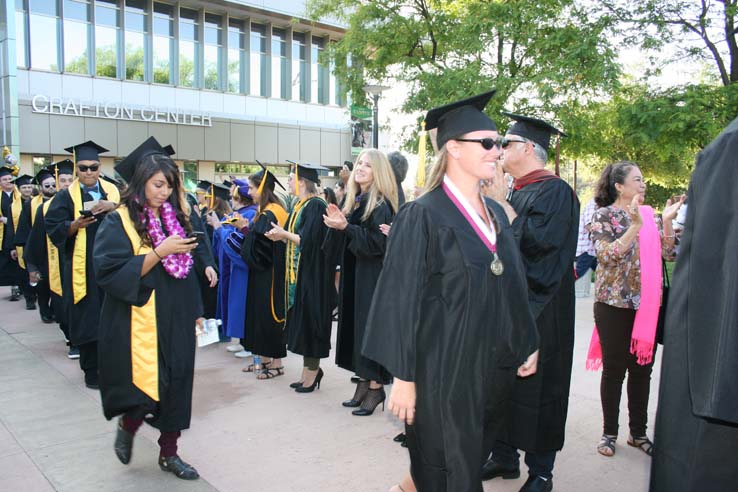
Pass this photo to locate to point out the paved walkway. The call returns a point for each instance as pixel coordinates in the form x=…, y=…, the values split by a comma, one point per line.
x=247, y=435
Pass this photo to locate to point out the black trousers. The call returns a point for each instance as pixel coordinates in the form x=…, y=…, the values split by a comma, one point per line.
x=615, y=327
x=540, y=464
x=88, y=361
x=43, y=296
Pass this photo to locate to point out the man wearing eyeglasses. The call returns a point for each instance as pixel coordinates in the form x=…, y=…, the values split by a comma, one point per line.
x=71, y=223
x=544, y=213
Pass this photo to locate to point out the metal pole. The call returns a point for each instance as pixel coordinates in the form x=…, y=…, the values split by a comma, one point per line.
x=375, y=126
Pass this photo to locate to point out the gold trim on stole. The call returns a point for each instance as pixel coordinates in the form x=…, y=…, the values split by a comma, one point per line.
x=52, y=254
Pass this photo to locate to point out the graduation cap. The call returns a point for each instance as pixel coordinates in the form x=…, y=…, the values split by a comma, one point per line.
x=242, y=185
x=127, y=167
x=41, y=176
x=307, y=171
x=204, y=185
x=112, y=180
x=269, y=181
x=169, y=150
x=460, y=117
x=533, y=129
x=62, y=167
x=221, y=191
x=5, y=171
x=23, y=180
x=227, y=183
x=88, y=151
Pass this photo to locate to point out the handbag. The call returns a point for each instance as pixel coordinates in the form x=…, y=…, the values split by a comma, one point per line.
x=665, y=285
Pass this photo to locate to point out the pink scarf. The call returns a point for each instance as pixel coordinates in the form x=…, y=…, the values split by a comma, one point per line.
x=644, y=327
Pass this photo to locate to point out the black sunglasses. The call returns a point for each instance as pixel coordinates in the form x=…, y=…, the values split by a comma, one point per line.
x=92, y=168
x=52, y=185
x=487, y=143
x=505, y=142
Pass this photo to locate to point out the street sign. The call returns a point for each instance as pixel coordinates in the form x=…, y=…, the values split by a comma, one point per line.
x=361, y=112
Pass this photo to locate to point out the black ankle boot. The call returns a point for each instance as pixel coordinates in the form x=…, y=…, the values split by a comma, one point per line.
x=123, y=445
x=362, y=387
x=373, y=398
x=180, y=469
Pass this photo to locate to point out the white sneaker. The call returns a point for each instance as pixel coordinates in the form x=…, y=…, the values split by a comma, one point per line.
x=234, y=348
x=243, y=354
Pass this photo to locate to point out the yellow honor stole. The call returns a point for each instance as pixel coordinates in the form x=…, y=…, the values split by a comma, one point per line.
x=79, y=255
x=16, y=209
x=281, y=215
x=52, y=254
x=144, y=341
x=36, y=202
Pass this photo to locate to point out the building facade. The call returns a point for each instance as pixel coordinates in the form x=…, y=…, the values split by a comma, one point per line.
x=225, y=82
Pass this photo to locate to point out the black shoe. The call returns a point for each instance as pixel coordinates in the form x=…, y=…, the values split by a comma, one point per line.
x=492, y=469
x=372, y=400
x=296, y=385
x=91, y=381
x=47, y=319
x=123, y=445
x=15, y=294
x=180, y=469
x=537, y=484
x=73, y=353
x=92, y=386
x=30, y=305
x=316, y=384
x=355, y=379
x=401, y=437
x=361, y=390
x=404, y=444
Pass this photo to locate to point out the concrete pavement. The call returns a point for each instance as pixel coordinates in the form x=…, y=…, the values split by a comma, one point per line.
x=249, y=435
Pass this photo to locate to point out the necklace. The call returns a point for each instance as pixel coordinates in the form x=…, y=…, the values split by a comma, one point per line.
x=176, y=265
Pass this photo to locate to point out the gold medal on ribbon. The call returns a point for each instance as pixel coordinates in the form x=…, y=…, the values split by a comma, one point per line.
x=497, y=267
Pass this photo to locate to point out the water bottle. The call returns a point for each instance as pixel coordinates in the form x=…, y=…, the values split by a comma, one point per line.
x=257, y=365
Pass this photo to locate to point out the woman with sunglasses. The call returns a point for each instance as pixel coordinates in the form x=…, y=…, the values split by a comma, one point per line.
x=450, y=312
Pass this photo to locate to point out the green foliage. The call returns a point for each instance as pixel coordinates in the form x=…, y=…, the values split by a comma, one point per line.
x=134, y=62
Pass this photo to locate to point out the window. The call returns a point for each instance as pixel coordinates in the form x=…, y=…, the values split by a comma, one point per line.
x=107, y=20
x=318, y=73
x=189, y=175
x=163, y=43
x=279, y=64
x=135, y=35
x=40, y=161
x=299, y=67
x=188, y=35
x=258, y=60
x=21, y=16
x=213, y=51
x=236, y=168
x=43, y=32
x=236, y=56
x=76, y=36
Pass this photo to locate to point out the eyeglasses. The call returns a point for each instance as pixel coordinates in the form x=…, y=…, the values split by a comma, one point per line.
x=92, y=168
x=487, y=143
x=505, y=142
x=52, y=185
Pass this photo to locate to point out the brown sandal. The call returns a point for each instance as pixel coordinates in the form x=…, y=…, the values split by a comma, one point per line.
x=250, y=367
x=270, y=372
x=606, y=446
x=642, y=443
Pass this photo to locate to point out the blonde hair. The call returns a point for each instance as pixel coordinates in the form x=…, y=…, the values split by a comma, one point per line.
x=384, y=185
x=438, y=171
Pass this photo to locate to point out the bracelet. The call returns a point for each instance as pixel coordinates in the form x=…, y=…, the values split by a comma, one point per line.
x=157, y=254
x=670, y=236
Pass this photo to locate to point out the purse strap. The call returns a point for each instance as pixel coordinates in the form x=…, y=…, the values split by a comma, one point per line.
x=665, y=281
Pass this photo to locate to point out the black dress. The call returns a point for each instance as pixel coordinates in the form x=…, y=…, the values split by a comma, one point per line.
x=264, y=330
x=440, y=318
x=309, y=318
x=361, y=246
x=547, y=226
x=178, y=305
x=696, y=439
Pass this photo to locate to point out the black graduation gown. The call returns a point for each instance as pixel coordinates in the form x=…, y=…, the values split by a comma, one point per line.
x=547, y=227
x=310, y=318
x=209, y=295
x=440, y=318
x=263, y=334
x=9, y=269
x=83, y=318
x=178, y=305
x=696, y=439
x=362, y=246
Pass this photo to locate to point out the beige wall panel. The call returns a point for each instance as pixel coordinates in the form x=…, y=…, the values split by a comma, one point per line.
x=206, y=170
x=164, y=134
x=131, y=134
x=34, y=131
x=265, y=142
x=190, y=143
x=330, y=148
x=346, y=146
x=218, y=141
x=289, y=143
x=102, y=132
x=310, y=145
x=242, y=142
x=65, y=131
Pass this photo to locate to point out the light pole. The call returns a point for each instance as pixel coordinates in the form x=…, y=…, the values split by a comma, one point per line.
x=374, y=91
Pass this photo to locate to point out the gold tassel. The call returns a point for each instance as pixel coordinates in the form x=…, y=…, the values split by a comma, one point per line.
x=420, y=174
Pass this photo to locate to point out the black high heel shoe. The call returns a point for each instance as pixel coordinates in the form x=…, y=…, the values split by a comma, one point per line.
x=362, y=387
x=296, y=385
x=373, y=398
x=316, y=384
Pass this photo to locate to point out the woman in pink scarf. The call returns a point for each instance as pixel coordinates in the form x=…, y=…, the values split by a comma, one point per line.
x=630, y=242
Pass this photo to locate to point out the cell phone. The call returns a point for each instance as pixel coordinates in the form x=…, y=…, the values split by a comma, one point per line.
x=86, y=213
x=196, y=234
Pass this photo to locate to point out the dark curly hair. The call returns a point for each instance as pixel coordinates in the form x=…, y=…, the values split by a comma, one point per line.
x=267, y=194
x=605, y=191
x=135, y=195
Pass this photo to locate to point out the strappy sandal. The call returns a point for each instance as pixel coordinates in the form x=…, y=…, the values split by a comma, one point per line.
x=642, y=443
x=606, y=446
x=250, y=367
x=270, y=372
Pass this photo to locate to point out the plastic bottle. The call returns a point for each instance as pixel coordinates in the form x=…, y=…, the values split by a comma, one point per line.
x=257, y=365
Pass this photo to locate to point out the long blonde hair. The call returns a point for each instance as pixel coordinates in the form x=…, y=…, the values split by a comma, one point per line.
x=384, y=185
x=438, y=171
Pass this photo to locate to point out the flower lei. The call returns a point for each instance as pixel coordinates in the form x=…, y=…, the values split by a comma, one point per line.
x=177, y=265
